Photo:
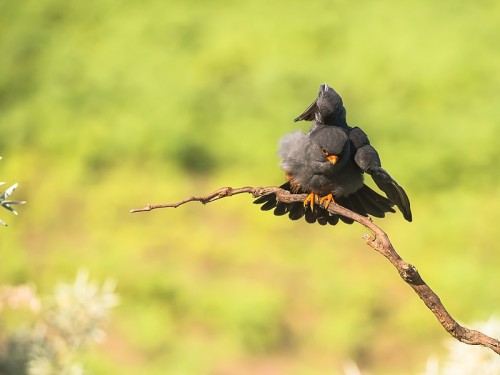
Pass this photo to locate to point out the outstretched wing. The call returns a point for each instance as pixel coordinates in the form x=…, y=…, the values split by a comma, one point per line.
x=393, y=191
x=309, y=114
x=367, y=159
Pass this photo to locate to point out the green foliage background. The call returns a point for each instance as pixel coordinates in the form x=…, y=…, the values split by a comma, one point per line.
x=108, y=105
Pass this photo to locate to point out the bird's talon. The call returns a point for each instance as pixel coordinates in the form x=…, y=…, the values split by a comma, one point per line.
x=328, y=199
x=310, y=200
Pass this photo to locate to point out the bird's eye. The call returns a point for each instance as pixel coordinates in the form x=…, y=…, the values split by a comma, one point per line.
x=324, y=152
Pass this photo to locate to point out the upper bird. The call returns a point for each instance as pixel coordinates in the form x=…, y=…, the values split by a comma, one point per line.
x=327, y=109
x=343, y=180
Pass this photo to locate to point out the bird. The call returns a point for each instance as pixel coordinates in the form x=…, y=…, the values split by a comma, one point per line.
x=328, y=111
x=320, y=163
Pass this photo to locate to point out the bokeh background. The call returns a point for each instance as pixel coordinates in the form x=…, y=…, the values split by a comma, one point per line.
x=108, y=105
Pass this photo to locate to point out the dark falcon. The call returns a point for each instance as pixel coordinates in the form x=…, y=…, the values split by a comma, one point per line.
x=341, y=180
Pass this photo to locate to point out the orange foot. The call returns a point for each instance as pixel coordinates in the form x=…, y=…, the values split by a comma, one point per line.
x=310, y=200
x=327, y=199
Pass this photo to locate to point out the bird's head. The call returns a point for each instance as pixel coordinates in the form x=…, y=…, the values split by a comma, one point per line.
x=330, y=106
x=327, y=109
x=330, y=144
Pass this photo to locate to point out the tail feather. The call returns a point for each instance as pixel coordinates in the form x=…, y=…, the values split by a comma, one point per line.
x=353, y=204
x=373, y=203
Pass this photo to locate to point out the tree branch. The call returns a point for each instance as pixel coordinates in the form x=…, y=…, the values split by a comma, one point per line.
x=379, y=241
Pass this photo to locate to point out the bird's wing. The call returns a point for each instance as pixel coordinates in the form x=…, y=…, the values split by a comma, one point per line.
x=393, y=191
x=366, y=157
x=309, y=114
x=358, y=137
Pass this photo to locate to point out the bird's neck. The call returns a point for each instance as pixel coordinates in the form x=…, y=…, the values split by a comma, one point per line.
x=337, y=119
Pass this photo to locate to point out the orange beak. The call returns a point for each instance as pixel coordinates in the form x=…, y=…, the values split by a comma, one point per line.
x=332, y=158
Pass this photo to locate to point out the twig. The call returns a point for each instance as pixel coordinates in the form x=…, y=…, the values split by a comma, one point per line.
x=379, y=242
x=218, y=194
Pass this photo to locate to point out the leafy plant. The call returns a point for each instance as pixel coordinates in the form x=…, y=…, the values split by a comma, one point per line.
x=6, y=203
x=55, y=328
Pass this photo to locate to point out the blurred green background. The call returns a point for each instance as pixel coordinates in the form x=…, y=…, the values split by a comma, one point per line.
x=108, y=105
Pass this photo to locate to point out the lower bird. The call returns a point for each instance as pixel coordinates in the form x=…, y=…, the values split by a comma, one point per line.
x=326, y=165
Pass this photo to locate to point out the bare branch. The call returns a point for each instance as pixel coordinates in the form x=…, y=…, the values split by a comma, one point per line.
x=379, y=241
x=218, y=194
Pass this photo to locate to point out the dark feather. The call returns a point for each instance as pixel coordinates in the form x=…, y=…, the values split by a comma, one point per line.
x=393, y=191
x=297, y=210
x=309, y=114
x=333, y=219
x=310, y=216
x=281, y=209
